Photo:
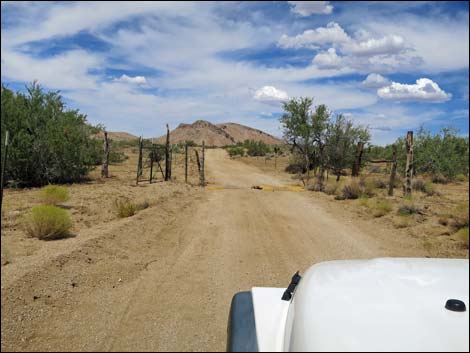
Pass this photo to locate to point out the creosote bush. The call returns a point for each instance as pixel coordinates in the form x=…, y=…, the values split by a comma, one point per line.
x=460, y=215
x=124, y=208
x=408, y=207
x=54, y=194
x=462, y=235
x=47, y=222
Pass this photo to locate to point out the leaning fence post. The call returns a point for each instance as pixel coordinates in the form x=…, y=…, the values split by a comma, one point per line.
x=152, y=156
x=203, y=177
x=105, y=165
x=167, y=154
x=393, y=171
x=186, y=163
x=357, y=162
x=139, y=161
x=4, y=163
x=409, y=163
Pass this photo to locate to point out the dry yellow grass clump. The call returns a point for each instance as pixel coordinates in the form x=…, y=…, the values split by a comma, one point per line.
x=47, y=222
x=54, y=194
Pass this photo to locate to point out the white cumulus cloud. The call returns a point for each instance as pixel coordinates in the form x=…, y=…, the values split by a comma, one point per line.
x=270, y=94
x=390, y=44
x=328, y=60
x=332, y=33
x=307, y=8
x=140, y=80
x=425, y=90
x=375, y=81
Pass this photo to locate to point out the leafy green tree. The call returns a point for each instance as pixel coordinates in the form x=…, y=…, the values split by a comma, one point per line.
x=49, y=143
x=342, y=139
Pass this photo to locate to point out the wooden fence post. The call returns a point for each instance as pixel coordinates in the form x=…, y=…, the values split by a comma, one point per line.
x=139, y=161
x=152, y=156
x=357, y=162
x=186, y=163
x=203, y=177
x=105, y=165
x=409, y=163
x=167, y=154
x=393, y=171
x=4, y=164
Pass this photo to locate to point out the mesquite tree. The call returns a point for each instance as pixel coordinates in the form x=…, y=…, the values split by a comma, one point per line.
x=342, y=139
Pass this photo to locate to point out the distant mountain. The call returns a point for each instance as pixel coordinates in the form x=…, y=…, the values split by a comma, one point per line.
x=217, y=134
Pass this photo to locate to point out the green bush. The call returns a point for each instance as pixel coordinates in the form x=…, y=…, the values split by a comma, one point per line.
x=460, y=215
x=48, y=143
x=125, y=208
x=461, y=177
x=256, y=148
x=48, y=222
x=236, y=151
x=381, y=208
x=54, y=194
x=462, y=235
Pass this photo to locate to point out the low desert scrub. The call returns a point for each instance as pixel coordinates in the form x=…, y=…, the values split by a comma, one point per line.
x=381, y=207
x=332, y=189
x=380, y=184
x=142, y=205
x=460, y=215
x=47, y=222
x=418, y=185
x=403, y=221
x=124, y=208
x=408, y=207
x=439, y=179
x=351, y=191
x=461, y=178
x=462, y=235
x=54, y=194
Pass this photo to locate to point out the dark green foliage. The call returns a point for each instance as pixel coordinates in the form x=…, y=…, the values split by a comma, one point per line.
x=341, y=143
x=443, y=155
x=256, y=148
x=236, y=151
x=48, y=143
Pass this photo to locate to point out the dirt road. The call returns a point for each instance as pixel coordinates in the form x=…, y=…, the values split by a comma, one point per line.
x=171, y=288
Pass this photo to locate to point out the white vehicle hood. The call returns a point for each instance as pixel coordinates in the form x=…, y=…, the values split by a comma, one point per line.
x=368, y=305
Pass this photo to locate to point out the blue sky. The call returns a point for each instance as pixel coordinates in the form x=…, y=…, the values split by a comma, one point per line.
x=135, y=66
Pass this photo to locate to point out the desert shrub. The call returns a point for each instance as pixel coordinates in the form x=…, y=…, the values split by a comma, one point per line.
x=418, y=185
x=404, y=221
x=462, y=235
x=461, y=177
x=295, y=168
x=236, y=151
x=48, y=222
x=430, y=189
x=256, y=148
x=364, y=201
x=48, y=142
x=381, y=208
x=374, y=169
x=380, y=184
x=54, y=194
x=331, y=189
x=443, y=221
x=116, y=157
x=124, y=208
x=142, y=205
x=366, y=187
x=460, y=215
x=408, y=207
x=351, y=191
x=439, y=179
x=316, y=186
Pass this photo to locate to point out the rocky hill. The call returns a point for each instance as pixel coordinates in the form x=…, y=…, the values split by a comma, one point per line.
x=217, y=134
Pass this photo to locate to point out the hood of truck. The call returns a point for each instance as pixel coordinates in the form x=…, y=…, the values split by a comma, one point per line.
x=368, y=305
